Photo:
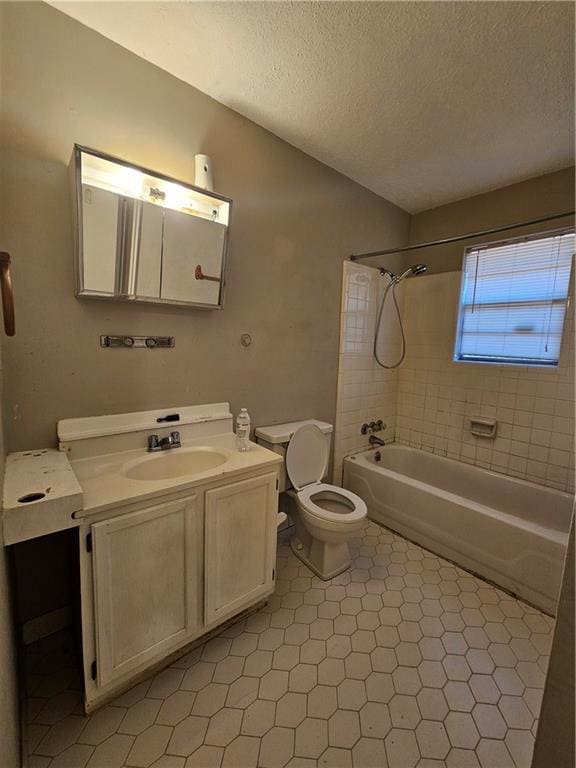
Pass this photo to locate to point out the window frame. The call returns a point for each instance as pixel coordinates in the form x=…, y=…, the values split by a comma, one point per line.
x=517, y=362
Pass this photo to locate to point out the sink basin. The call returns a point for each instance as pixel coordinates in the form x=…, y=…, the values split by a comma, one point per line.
x=176, y=462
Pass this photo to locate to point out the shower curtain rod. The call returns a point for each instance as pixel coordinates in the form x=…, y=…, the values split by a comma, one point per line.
x=457, y=238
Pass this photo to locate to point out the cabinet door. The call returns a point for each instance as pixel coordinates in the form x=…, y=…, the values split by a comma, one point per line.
x=147, y=585
x=240, y=545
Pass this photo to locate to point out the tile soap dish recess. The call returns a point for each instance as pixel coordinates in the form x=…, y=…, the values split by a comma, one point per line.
x=482, y=427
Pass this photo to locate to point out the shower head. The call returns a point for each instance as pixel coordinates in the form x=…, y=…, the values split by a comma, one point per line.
x=415, y=269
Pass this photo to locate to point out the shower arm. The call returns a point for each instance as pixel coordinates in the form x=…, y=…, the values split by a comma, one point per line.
x=458, y=238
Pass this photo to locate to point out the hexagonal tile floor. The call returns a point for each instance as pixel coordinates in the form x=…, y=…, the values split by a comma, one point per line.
x=404, y=661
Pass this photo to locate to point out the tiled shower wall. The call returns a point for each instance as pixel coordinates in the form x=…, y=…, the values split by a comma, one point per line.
x=534, y=407
x=428, y=401
x=366, y=392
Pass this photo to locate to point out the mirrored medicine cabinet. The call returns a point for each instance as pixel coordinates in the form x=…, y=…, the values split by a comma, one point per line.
x=145, y=237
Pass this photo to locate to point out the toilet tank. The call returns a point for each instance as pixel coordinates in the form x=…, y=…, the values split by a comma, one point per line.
x=277, y=437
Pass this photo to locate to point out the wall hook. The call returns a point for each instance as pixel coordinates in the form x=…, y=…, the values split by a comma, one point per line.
x=7, y=294
x=199, y=275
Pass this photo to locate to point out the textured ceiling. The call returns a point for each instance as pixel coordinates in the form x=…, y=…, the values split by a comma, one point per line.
x=422, y=102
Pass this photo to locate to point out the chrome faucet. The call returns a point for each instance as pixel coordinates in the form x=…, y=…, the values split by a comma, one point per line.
x=156, y=443
x=373, y=440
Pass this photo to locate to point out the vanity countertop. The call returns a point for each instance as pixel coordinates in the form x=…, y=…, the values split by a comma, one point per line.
x=105, y=483
x=41, y=495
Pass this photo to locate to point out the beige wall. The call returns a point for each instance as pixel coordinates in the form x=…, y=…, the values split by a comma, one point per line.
x=294, y=221
x=9, y=709
x=532, y=199
x=554, y=746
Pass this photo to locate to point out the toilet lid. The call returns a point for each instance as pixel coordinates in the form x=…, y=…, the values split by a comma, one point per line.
x=306, y=456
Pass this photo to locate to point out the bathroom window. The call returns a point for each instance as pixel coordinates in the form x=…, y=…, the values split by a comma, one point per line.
x=513, y=300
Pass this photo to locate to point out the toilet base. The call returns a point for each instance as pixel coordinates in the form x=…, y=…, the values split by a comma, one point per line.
x=324, y=559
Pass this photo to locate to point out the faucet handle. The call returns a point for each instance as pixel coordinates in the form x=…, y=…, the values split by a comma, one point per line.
x=175, y=439
x=153, y=442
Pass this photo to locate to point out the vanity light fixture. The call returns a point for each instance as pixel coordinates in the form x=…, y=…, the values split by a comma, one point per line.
x=156, y=195
x=114, y=176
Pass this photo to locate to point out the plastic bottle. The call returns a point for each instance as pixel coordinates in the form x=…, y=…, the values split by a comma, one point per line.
x=243, y=430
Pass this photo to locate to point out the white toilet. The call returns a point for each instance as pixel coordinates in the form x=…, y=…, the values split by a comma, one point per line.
x=325, y=517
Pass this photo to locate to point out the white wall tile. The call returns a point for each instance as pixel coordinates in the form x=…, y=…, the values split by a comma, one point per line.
x=534, y=407
x=427, y=402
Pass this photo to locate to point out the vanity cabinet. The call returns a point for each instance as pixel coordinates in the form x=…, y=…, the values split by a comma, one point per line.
x=239, y=546
x=147, y=584
x=159, y=575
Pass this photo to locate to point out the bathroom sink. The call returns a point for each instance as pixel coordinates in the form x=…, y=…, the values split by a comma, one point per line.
x=175, y=463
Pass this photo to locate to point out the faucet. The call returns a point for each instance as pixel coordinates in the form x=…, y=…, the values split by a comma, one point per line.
x=374, y=440
x=165, y=443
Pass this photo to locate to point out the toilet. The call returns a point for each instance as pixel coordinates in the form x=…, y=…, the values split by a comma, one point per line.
x=325, y=516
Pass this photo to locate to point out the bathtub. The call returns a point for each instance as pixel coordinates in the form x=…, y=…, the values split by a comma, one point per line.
x=509, y=531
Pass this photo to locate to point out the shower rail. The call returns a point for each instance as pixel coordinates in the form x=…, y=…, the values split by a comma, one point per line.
x=458, y=238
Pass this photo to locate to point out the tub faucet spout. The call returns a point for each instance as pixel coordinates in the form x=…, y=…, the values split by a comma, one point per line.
x=374, y=440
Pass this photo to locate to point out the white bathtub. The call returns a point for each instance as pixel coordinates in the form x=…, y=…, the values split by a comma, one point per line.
x=509, y=531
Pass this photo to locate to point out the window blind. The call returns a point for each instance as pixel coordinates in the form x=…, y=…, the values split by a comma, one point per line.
x=513, y=300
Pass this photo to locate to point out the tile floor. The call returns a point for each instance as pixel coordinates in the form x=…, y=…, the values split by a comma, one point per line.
x=403, y=661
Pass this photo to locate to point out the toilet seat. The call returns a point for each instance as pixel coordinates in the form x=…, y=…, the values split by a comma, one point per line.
x=355, y=514
x=306, y=463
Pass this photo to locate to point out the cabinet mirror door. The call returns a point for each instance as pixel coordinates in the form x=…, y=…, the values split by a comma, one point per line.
x=189, y=241
x=144, y=266
x=101, y=226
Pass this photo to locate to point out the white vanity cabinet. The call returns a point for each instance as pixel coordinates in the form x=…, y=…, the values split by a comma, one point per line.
x=156, y=576
x=173, y=544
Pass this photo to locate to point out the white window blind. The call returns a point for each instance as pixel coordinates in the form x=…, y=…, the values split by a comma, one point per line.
x=513, y=300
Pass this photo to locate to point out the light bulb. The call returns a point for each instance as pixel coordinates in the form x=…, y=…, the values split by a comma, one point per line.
x=129, y=180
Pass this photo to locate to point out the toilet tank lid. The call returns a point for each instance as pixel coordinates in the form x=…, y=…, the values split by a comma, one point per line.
x=281, y=433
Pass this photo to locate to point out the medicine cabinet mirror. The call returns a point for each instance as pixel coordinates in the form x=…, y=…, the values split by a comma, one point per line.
x=145, y=237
